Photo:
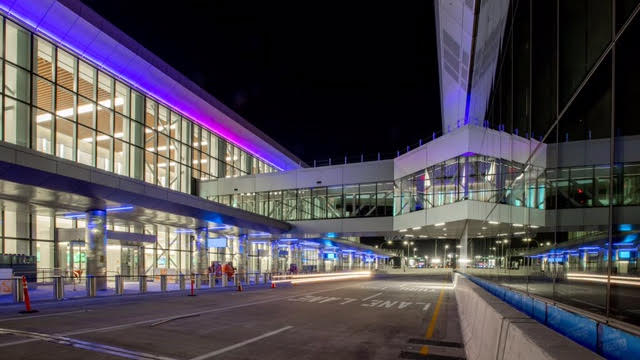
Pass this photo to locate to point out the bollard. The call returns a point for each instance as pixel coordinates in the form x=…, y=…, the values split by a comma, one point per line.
x=212, y=280
x=119, y=285
x=27, y=302
x=142, y=281
x=58, y=287
x=16, y=289
x=181, y=281
x=91, y=286
x=225, y=280
x=192, y=293
x=163, y=282
x=198, y=281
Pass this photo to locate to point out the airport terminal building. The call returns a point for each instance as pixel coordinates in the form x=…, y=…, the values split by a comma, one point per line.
x=111, y=162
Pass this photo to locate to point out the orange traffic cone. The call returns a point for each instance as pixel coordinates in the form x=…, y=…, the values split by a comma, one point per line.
x=273, y=285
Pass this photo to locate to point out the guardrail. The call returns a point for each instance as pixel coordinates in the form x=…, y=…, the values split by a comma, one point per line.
x=66, y=287
x=595, y=334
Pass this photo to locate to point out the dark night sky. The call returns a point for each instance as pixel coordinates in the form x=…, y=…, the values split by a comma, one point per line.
x=323, y=79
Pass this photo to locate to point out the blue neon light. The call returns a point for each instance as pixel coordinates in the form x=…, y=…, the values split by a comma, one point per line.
x=331, y=235
x=184, y=231
x=630, y=238
x=224, y=227
x=624, y=227
x=330, y=256
x=121, y=208
x=624, y=255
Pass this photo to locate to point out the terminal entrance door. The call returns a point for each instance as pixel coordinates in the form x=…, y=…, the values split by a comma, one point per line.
x=129, y=261
x=76, y=259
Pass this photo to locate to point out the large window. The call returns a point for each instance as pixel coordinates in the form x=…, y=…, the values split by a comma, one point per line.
x=58, y=104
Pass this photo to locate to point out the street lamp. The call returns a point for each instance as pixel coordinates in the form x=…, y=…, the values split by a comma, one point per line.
x=406, y=262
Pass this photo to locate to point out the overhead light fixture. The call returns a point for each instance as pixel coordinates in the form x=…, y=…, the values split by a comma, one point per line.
x=439, y=224
x=417, y=228
x=484, y=228
x=517, y=225
x=494, y=222
x=518, y=233
x=402, y=230
x=534, y=226
x=444, y=229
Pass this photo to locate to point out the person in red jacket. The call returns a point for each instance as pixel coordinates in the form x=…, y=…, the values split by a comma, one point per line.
x=229, y=270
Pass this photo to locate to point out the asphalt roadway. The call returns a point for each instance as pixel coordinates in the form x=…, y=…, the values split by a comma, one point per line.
x=385, y=317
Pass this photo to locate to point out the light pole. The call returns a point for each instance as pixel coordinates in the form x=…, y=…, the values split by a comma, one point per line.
x=405, y=262
x=445, y=250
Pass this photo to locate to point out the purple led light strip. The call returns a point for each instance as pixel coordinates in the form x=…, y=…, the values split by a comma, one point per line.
x=12, y=11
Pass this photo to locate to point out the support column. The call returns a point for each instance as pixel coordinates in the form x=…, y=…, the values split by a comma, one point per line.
x=275, y=256
x=243, y=256
x=202, y=251
x=142, y=268
x=464, y=241
x=321, y=260
x=95, y=238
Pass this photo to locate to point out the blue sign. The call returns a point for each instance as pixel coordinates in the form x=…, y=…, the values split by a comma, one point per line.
x=220, y=242
x=283, y=253
x=329, y=256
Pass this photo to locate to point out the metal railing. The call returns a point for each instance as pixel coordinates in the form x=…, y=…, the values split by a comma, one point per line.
x=59, y=287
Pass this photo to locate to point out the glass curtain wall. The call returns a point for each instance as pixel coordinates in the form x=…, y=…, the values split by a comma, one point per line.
x=58, y=104
x=567, y=75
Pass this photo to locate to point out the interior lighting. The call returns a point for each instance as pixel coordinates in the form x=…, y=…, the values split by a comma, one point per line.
x=439, y=224
x=494, y=222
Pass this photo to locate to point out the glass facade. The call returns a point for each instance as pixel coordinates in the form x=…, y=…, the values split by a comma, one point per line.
x=57, y=103
x=479, y=178
x=567, y=75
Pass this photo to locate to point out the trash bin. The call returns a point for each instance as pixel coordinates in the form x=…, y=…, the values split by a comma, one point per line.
x=16, y=289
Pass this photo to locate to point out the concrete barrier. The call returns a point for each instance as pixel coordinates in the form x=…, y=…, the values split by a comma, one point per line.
x=493, y=329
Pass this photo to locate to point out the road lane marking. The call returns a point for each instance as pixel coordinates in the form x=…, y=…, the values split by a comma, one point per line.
x=86, y=345
x=372, y=296
x=172, y=319
x=432, y=325
x=372, y=303
x=150, y=321
x=240, y=344
x=348, y=300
